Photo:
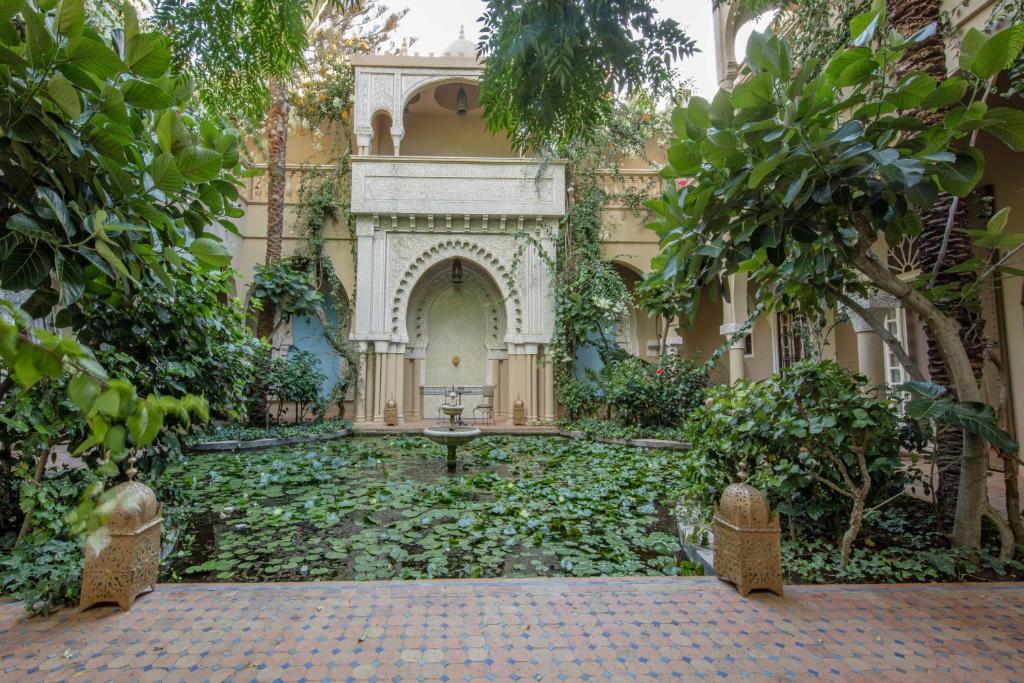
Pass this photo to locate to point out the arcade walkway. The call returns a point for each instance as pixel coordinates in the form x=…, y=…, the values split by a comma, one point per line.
x=527, y=629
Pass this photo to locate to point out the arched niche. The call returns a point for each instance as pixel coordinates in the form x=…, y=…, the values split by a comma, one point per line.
x=382, y=142
x=455, y=309
x=470, y=253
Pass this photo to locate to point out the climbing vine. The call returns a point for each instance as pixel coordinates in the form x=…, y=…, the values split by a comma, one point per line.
x=590, y=296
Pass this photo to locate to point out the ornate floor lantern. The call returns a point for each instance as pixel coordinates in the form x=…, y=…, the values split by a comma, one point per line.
x=748, y=549
x=128, y=565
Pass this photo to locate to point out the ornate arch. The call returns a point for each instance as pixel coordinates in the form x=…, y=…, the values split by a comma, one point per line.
x=412, y=86
x=471, y=251
x=433, y=282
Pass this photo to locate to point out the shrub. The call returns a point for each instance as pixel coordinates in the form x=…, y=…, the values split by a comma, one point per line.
x=578, y=398
x=296, y=379
x=659, y=394
x=792, y=430
x=190, y=337
x=45, y=569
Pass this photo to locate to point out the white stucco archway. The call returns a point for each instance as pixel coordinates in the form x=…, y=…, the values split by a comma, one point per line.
x=471, y=252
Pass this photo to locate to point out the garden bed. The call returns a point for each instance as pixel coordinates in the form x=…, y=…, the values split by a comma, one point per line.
x=607, y=431
x=241, y=438
x=384, y=508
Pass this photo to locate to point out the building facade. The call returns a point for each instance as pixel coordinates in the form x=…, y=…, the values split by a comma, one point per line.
x=450, y=263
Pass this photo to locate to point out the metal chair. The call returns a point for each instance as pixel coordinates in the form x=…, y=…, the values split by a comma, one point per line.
x=441, y=417
x=486, y=405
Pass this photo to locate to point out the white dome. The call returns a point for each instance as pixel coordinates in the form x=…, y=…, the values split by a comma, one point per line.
x=460, y=47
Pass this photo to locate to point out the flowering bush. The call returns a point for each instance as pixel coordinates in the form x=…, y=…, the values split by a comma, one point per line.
x=659, y=394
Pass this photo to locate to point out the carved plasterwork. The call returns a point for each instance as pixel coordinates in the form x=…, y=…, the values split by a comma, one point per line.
x=376, y=89
x=387, y=185
x=414, y=255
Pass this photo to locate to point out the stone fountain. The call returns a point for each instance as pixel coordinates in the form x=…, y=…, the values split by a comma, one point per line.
x=452, y=435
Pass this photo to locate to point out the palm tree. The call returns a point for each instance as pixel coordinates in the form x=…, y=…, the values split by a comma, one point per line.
x=907, y=17
x=277, y=150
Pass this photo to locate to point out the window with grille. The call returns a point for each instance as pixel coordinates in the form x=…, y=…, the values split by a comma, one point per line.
x=894, y=323
x=791, y=346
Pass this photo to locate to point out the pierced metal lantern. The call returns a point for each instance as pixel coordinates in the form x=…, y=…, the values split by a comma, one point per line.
x=748, y=550
x=391, y=413
x=129, y=563
x=518, y=412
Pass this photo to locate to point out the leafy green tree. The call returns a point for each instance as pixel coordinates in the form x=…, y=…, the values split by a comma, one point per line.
x=233, y=48
x=797, y=177
x=103, y=175
x=107, y=185
x=553, y=68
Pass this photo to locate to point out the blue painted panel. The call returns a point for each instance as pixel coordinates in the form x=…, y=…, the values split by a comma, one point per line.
x=308, y=335
x=588, y=357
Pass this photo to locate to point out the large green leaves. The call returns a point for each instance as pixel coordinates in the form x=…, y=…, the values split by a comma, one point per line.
x=94, y=132
x=211, y=252
x=985, y=56
x=932, y=402
x=754, y=93
x=147, y=54
x=1008, y=125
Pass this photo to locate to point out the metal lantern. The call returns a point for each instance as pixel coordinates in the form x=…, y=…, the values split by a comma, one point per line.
x=391, y=412
x=518, y=412
x=748, y=549
x=128, y=565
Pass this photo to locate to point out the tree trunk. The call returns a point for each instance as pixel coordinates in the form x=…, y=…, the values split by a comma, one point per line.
x=973, y=497
x=856, y=519
x=1011, y=480
x=37, y=479
x=907, y=17
x=277, y=151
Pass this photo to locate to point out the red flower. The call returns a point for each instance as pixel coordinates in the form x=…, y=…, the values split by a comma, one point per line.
x=682, y=183
x=659, y=372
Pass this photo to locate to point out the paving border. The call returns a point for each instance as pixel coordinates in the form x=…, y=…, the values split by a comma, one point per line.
x=661, y=444
x=486, y=430
x=258, y=444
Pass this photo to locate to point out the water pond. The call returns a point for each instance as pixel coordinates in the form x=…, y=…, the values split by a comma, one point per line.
x=385, y=507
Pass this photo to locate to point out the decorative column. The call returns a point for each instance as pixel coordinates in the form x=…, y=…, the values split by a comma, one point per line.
x=390, y=379
x=734, y=315
x=548, y=386
x=397, y=133
x=523, y=380
x=870, y=347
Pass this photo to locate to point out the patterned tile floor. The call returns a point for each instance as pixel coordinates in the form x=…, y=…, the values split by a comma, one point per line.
x=529, y=629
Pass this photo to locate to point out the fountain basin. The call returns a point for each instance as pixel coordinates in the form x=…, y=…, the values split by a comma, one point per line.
x=451, y=437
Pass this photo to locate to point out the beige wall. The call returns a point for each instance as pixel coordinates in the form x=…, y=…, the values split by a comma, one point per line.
x=1004, y=175
x=449, y=135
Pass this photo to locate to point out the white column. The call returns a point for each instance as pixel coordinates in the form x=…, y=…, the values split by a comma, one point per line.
x=870, y=350
x=734, y=315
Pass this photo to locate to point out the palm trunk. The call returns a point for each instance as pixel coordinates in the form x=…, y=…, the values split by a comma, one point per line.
x=277, y=151
x=907, y=16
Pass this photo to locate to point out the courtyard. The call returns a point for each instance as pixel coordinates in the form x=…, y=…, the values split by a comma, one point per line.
x=567, y=340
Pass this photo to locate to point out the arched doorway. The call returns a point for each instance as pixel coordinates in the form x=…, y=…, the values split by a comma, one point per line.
x=456, y=325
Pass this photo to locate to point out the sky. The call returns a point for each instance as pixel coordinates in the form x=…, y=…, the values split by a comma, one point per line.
x=435, y=24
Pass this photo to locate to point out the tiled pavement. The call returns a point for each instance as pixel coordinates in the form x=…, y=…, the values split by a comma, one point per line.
x=529, y=629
